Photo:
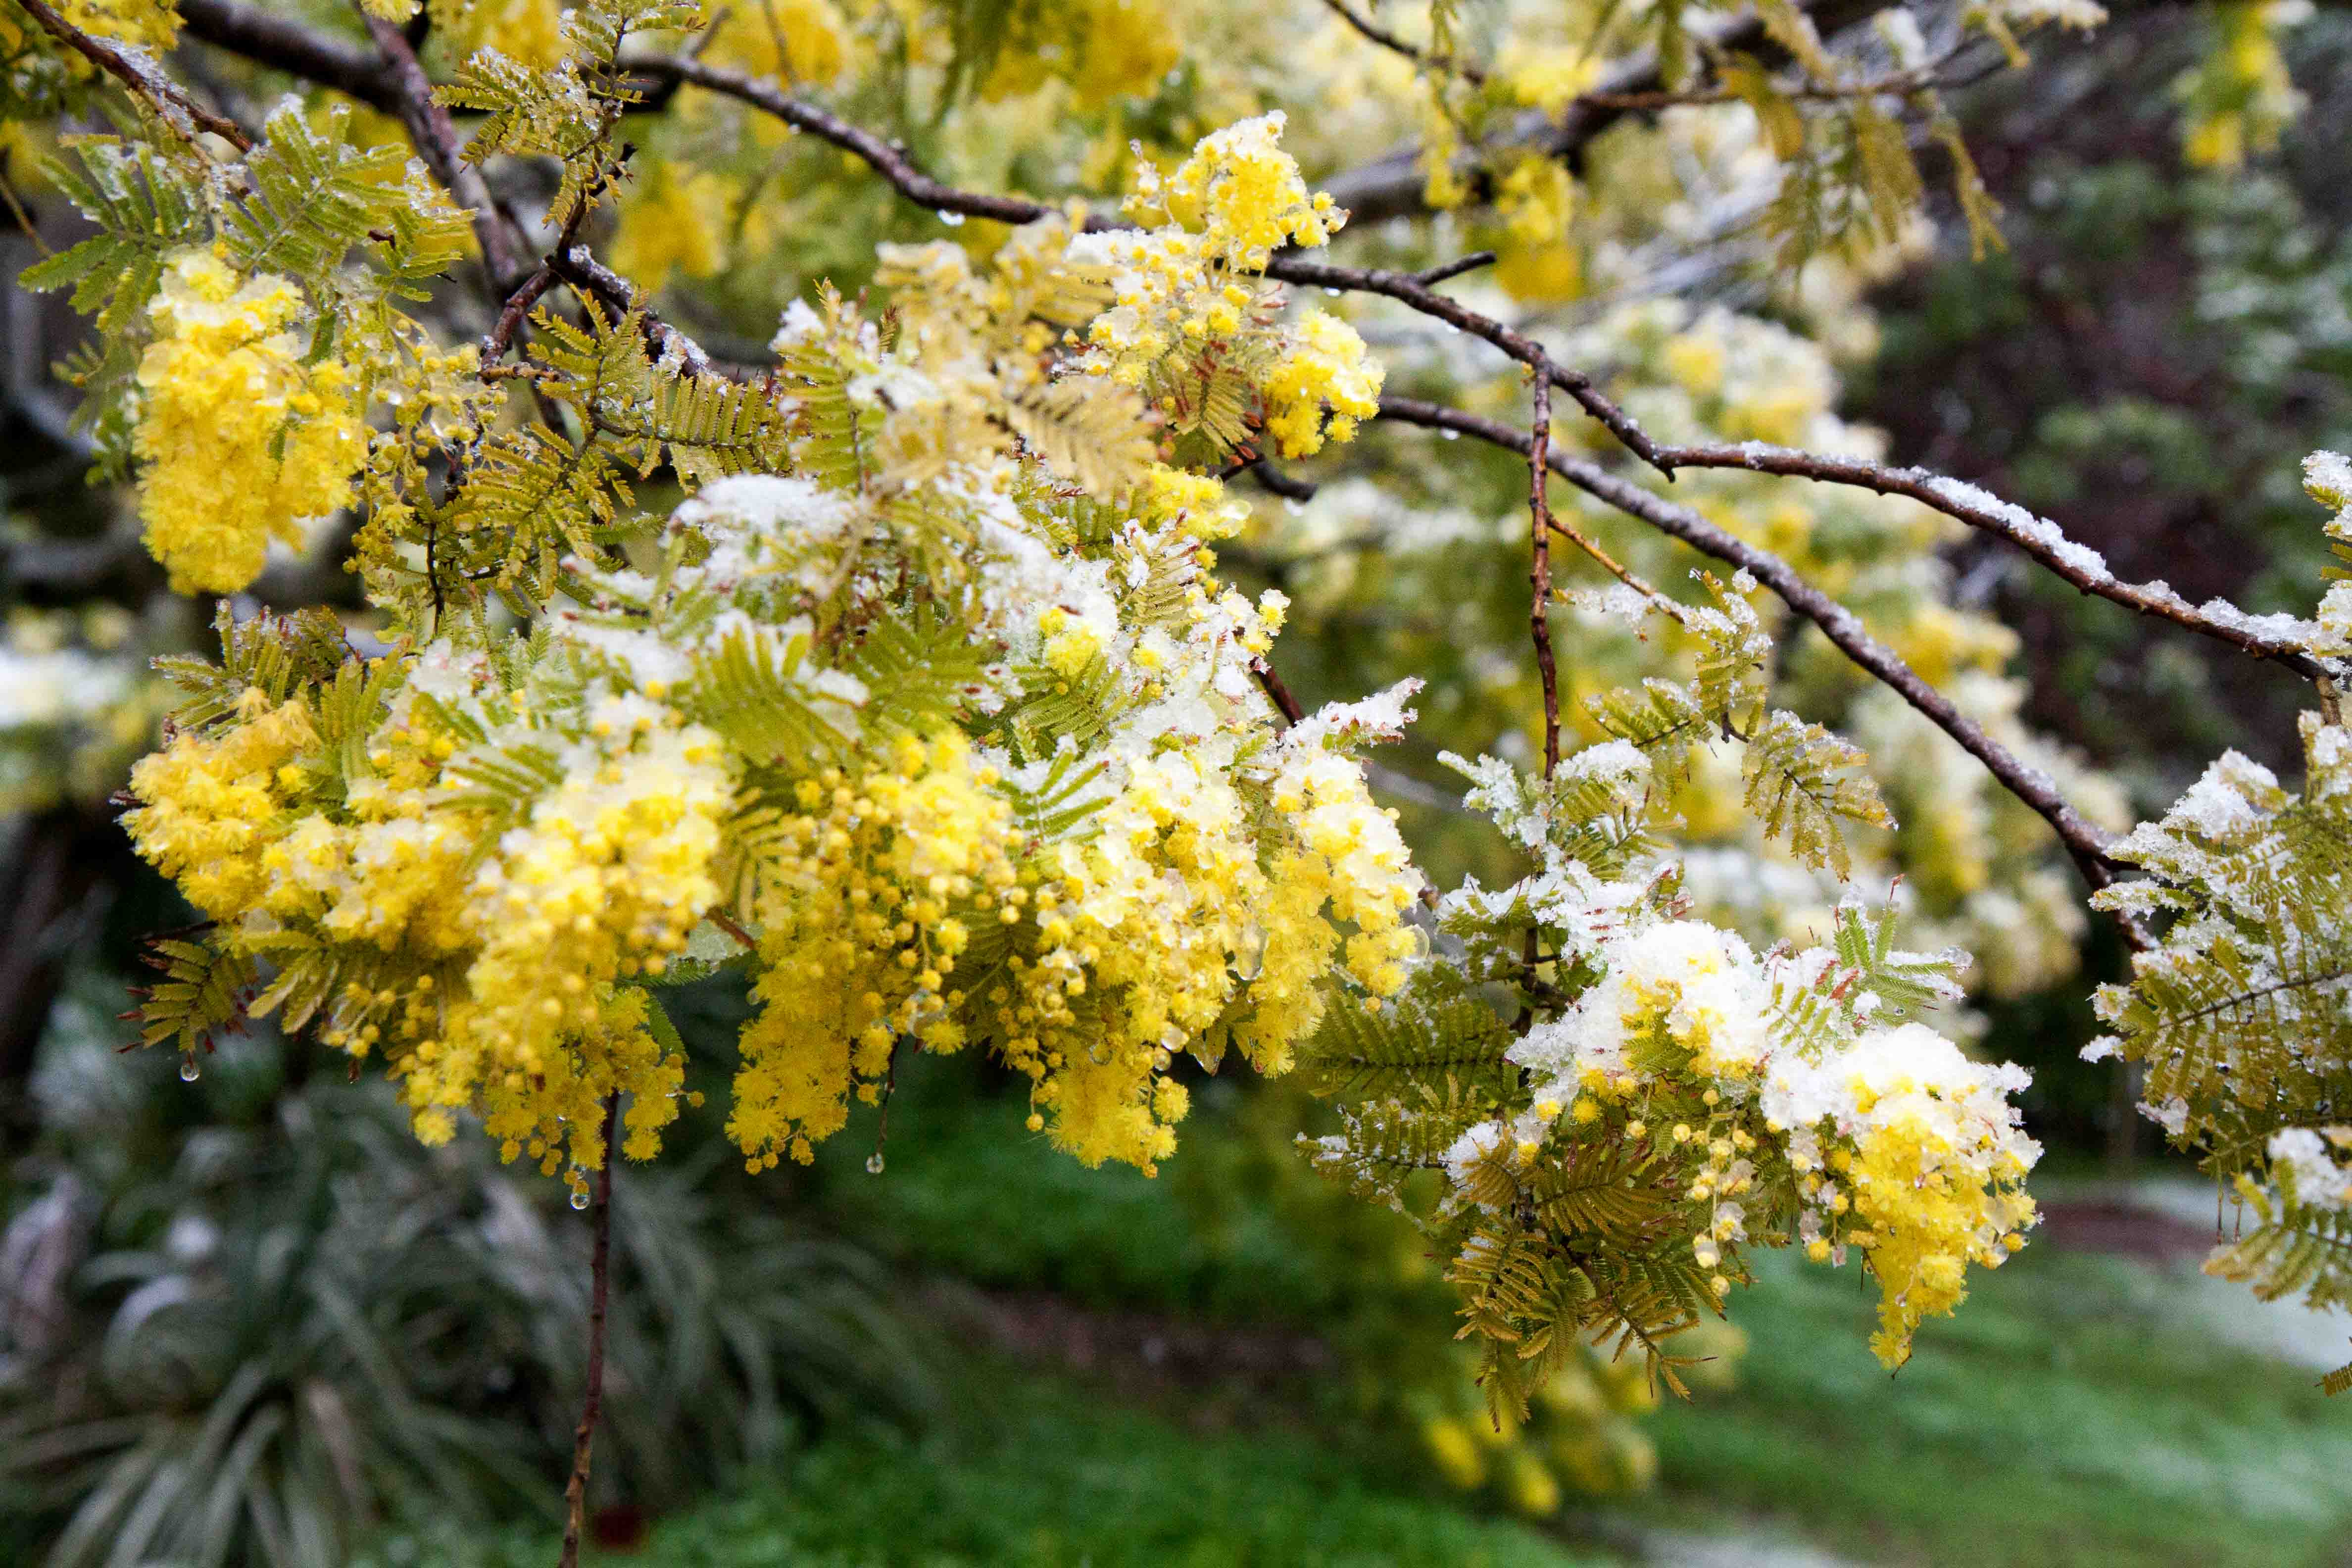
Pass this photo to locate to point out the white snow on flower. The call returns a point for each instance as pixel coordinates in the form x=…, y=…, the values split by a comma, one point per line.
x=2313, y=1175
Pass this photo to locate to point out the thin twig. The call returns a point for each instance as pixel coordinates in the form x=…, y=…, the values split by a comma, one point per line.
x=16, y=210
x=2082, y=840
x=576, y=266
x=1454, y=268
x=1374, y=33
x=1609, y=563
x=1271, y=478
x=183, y=113
x=1284, y=702
x=1539, y=568
x=517, y=305
x=575, y=1491
x=733, y=928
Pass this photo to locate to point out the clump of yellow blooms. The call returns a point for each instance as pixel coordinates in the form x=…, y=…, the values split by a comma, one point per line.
x=528, y=31
x=214, y=803
x=1105, y=49
x=1893, y=1142
x=1735, y=1099
x=1190, y=330
x=224, y=391
x=861, y=934
x=802, y=41
x=1324, y=366
x=2239, y=99
x=670, y=223
x=473, y=873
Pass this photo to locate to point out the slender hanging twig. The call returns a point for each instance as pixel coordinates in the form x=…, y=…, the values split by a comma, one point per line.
x=1540, y=529
x=600, y=1267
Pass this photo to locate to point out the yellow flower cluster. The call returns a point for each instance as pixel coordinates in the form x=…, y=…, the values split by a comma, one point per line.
x=484, y=982
x=2240, y=97
x=672, y=222
x=1241, y=193
x=214, y=802
x=1928, y=1216
x=528, y=31
x=802, y=41
x=1185, y=329
x=881, y=879
x=1323, y=365
x=1106, y=49
x=1536, y=199
x=603, y=881
x=1348, y=852
x=1894, y=1142
x=221, y=387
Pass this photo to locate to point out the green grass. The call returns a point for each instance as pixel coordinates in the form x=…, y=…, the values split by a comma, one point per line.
x=2070, y=1412
x=1054, y=1478
x=2065, y=1415
x=2070, y=1415
x=966, y=1190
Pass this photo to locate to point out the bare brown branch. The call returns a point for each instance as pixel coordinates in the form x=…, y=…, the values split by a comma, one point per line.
x=599, y=1265
x=2082, y=840
x=2037, y=537
x=271, y=40
x=146, y=83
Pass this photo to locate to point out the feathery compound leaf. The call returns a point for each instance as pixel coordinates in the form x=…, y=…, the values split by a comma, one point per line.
x=1800, y=782
x=202, y=989
x=1076, y=709
x=145, y=207
x=566, y=113
x=1385, y=1142
x=1869, y=963
x=1591, y=1193
x=755, y=690
x=276, y=654
x=917, y=670
x=1662, y=720
x=1088, y=430
x=1734, y=656
x=314, y=197
x=2296, y=1250
x=1361, y=1054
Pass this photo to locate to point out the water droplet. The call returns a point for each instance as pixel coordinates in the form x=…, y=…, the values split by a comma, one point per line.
x=1294, y=508
x=1450, y=434
x=874, y=1164
x=953, y=220
x=1333, y=292
x=578, y=1197
x=189, y=1071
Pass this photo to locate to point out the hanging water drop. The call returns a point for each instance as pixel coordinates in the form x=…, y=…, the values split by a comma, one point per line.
x=578, y=1197
x=874, y=1164
x=1450, y=434
x=189, y=1071
x=1333, y=292
x=953, y=220
x=1295, y=509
